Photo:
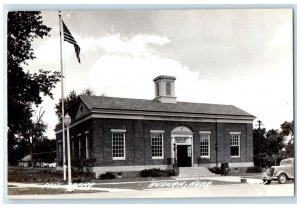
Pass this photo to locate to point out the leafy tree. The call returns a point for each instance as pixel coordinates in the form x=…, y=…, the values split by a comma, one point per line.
x=275, y=141
x=70, y=103
x=44, y=150
x=288, y=129
x=266, y=146
x=24, y=89
x=259, y=144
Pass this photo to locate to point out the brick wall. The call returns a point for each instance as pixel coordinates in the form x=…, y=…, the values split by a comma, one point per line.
x=138, y=141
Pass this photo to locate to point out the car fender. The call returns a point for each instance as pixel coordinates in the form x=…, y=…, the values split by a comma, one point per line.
x=279, y=172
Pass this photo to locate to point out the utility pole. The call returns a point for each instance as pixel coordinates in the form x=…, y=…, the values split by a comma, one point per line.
x=259, y=137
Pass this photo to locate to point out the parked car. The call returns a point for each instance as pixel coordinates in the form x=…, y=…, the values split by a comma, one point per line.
x=280, y=173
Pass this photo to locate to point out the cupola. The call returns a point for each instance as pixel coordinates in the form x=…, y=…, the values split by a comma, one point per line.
x=165, y=89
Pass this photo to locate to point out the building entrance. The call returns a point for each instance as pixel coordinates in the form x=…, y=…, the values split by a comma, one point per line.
x=184, y=155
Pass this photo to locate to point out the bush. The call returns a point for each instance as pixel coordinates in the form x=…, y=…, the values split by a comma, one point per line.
x=215, y=170
x=107, y=175
x=155, y=172
x=255, y=169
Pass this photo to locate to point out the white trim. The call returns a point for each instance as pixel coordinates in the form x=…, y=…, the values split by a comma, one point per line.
x=239, y=140
x=166, y=117
x=124, y=141
x=118, y=130
x=162, y=137
x=235, y=132
x=157, y=131
x=86, y=132
x=204, y=132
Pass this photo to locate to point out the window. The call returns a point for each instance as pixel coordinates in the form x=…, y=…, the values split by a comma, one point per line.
x=205, y=144
x=235, y=144
x=189, y=151
x=168, y=88
x=86, y=146
x=118, y=144
x=157, y=145
x=157, y=89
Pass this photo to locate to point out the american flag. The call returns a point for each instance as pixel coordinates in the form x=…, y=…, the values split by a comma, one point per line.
x=69, y=38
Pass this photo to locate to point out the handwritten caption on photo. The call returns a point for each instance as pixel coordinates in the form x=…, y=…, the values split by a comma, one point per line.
x=179, y=184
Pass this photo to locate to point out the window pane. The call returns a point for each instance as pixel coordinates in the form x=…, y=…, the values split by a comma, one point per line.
x=157, y=145
x=168, y=88
x=235, y=144
x=204, y=145
x=118, y=145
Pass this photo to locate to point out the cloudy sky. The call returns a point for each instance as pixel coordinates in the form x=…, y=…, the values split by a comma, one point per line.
x=240, y=57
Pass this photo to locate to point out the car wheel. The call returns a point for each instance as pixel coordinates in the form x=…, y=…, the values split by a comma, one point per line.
x=282, y=178
x=266, y=181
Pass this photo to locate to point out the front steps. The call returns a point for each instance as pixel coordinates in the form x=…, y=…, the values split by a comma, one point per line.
x=195, y=172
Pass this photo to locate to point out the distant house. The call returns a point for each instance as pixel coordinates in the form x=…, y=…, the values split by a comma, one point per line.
x=26, y=162
x=134, y=134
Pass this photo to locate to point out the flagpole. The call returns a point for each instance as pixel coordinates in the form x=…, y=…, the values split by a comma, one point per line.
x=62, y=103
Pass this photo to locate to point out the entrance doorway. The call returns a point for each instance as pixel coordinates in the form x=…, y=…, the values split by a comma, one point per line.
x=184, y=155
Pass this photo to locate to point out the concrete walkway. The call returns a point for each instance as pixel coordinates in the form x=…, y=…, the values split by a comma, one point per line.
x=91, y=186
x=61, y=186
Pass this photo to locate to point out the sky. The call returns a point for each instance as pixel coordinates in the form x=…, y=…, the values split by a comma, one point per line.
x=241, y=57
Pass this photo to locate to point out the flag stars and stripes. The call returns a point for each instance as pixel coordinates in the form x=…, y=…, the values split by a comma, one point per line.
x=69, y=38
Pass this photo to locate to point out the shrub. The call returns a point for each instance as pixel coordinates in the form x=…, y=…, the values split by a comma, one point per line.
x=215, y=170
x=255, y=169
x=155, y=172
x=107, y=175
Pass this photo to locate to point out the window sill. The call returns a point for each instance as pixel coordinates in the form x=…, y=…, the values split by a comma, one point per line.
x=207, y=157
x=119, y=158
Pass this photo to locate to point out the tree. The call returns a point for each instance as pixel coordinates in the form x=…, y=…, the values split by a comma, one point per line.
x=259, y=144
x=288, y=129
x=24, y=89
x=70, y=103
x=45, y=150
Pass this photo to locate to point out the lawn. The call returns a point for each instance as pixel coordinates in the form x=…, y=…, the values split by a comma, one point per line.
x=44, y=191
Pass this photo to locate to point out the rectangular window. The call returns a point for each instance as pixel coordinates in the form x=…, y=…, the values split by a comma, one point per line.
x=86, y=146
x=235, y=145
x=157, y=89
x=118, y=144
x=205, y=144
x=168, y=88
x=157, y=145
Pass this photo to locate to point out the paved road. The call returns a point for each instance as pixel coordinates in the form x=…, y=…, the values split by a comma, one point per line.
x=233, y=190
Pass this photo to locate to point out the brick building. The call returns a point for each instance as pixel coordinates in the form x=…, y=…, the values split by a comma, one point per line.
x=133, y=134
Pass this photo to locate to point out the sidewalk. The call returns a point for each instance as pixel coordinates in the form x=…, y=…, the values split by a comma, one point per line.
x=95, y=186
x=63, y=186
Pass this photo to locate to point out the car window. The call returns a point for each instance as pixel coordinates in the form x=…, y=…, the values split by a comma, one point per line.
x=286, y=162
